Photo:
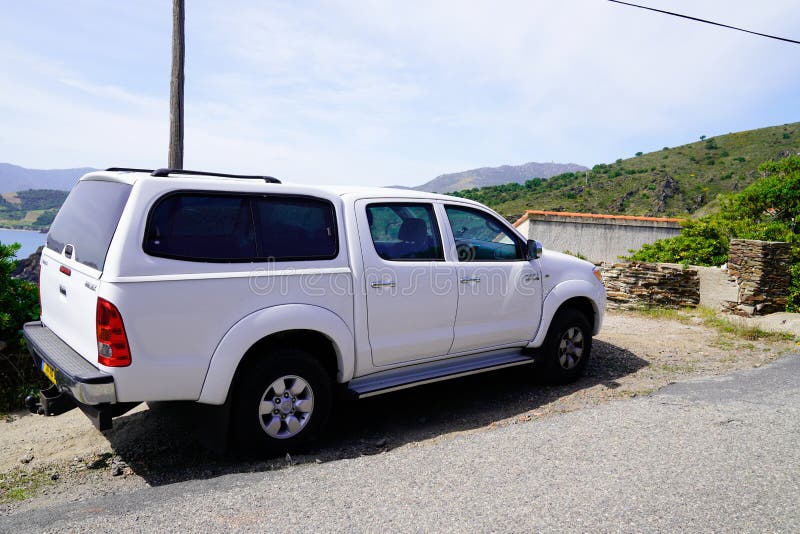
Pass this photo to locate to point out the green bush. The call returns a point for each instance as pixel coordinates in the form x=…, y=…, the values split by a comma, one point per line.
x=46, y=218
x=19, y=302
x=701, y=242
x=793, y=305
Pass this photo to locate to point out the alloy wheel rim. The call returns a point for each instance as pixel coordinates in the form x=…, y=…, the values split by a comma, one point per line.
x=286, y=407
x=570, y=348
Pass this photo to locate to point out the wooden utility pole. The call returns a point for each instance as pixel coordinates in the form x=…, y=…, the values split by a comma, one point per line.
x=176, y=87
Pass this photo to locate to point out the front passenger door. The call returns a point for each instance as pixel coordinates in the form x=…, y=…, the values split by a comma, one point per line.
x=499, y=289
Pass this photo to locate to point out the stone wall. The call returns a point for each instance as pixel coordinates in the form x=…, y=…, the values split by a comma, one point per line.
x=634, y=284
x=761, y=269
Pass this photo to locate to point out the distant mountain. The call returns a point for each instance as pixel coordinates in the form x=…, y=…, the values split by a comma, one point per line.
x=15, y=178
x=488, y=176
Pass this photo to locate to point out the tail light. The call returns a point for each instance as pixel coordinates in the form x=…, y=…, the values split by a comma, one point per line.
x=112, y=342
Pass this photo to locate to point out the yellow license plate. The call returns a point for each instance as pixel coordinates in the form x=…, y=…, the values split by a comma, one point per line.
x=49, y=372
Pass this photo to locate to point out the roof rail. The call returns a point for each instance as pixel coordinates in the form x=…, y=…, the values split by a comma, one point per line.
x=168, y=172
x=126, y=169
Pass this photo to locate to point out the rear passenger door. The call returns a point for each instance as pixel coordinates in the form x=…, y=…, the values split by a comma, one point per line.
x=411, y=295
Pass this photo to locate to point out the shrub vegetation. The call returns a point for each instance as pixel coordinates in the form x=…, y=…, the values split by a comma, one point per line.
x=19, y=303
x=768, y=209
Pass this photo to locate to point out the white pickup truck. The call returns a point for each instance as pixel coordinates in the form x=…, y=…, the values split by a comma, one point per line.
x=263, y=298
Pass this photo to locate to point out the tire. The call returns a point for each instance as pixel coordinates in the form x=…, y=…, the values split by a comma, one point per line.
x=567, y=347
x=281, y=402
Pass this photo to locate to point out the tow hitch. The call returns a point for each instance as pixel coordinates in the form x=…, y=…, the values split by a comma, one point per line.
x=50, y=402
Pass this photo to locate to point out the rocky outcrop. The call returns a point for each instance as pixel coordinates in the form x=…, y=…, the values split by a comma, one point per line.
x=636, y=284
x=668, y=189
x=761, y=269
x=618, y=206
x=28, y=269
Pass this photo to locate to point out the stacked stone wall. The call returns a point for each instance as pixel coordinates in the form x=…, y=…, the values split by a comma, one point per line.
x=761, y=269
x=636, y=284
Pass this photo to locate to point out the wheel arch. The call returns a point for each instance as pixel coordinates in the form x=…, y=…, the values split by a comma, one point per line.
x=316, y=329
x=581, y=295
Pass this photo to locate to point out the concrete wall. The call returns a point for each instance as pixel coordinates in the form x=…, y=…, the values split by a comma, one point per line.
x=600, y=238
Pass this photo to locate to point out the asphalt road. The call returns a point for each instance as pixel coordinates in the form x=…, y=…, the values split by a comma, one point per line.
x=718, y=454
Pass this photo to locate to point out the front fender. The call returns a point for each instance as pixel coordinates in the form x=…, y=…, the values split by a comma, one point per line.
x=258, y=325
x=561, y=293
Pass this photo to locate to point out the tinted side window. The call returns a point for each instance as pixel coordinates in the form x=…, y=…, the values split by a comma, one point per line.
x=481, y=237
x=405, y=231
x=230, y=228
x=296, y=228
x=202, y=227
x=88, y=220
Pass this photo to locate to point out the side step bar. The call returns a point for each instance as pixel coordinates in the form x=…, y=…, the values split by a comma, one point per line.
x=417, y=375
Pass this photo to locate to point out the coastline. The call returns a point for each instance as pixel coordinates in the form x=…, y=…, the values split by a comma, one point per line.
x=42, y=230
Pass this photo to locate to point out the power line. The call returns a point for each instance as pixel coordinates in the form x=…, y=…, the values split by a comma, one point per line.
x=706, y=21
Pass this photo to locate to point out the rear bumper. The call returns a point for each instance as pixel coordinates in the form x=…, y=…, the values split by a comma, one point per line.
x=74, y=376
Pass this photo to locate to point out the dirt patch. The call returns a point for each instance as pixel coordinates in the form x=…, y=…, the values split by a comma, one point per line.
x=11, y=198
x=633, y=355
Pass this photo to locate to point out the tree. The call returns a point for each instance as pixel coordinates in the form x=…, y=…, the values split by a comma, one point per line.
x=176, y=87
x=702, y=137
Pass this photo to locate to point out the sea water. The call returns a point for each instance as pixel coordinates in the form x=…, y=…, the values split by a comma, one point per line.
x=29, y=240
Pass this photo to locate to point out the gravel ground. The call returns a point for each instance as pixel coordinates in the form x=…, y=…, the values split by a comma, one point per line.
x=64, y=459
x=712, y=455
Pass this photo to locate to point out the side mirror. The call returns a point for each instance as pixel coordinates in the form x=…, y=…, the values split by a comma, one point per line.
x=534, y=249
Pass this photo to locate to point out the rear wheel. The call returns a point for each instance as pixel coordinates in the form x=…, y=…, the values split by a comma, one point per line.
x=281, y=402
x=567, y=347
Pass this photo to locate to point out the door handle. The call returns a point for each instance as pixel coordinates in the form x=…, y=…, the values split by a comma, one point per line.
x=530, y=277
x=469, y=280
x=383, y=284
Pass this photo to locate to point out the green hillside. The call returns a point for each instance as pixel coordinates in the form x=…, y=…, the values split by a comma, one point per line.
x=33, y=209
x=675, y=181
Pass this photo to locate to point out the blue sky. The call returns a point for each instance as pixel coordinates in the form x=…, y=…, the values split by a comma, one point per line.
x=378, y=93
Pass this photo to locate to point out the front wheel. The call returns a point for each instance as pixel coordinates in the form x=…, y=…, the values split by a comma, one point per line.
x=567, y=347
x=281, y=402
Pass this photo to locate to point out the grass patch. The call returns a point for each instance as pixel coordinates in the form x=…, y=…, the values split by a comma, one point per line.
x=677, y=368
x=656, y=312
x=738, y=328
x=711, y=319
x=21, y=484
